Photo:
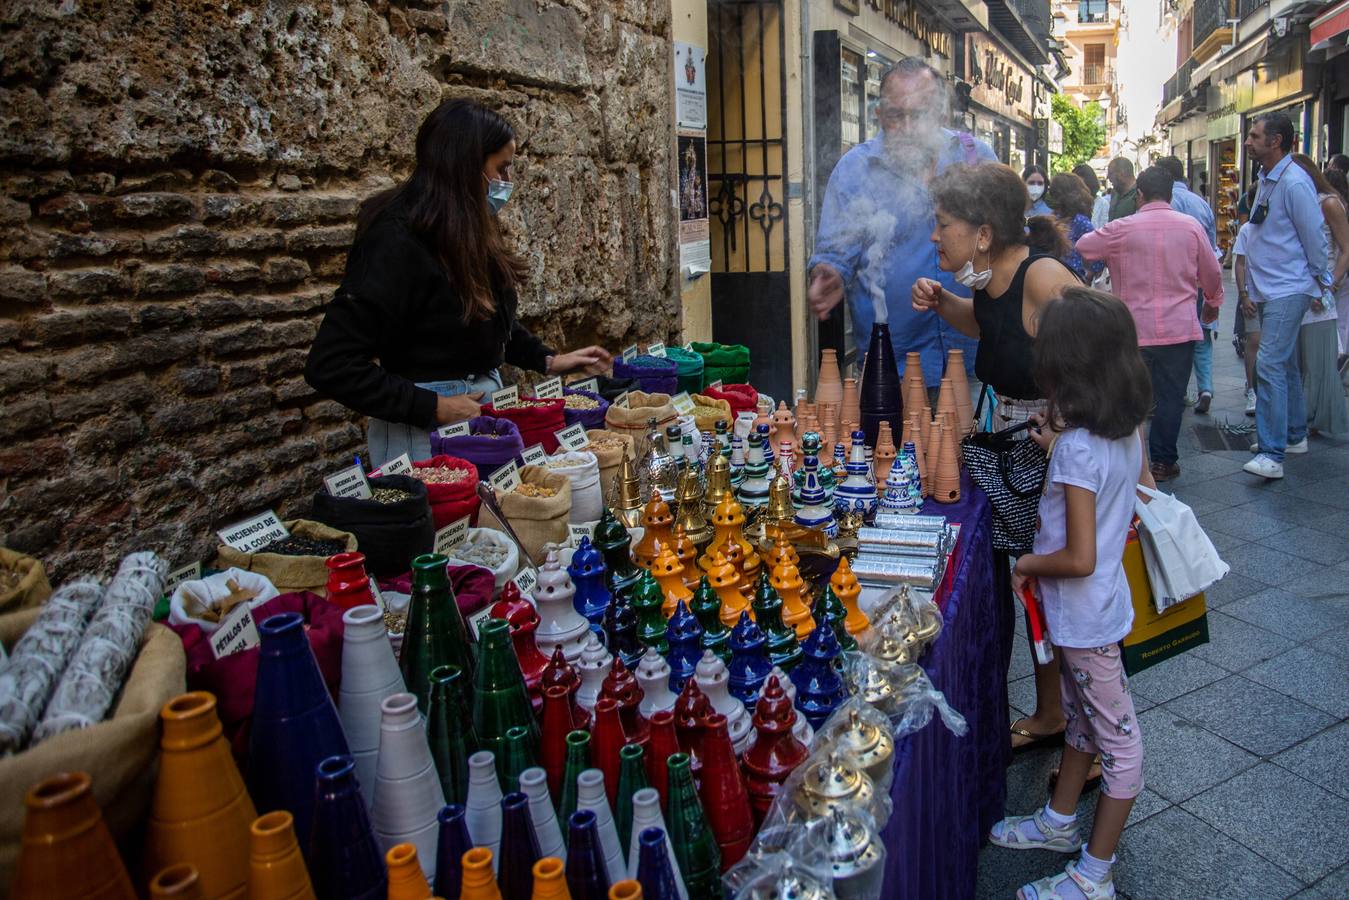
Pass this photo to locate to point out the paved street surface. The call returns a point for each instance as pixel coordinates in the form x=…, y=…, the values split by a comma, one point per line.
x=1246, y=740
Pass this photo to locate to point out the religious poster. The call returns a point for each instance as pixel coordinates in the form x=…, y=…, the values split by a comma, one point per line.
x=695, y=247
x=690, y=77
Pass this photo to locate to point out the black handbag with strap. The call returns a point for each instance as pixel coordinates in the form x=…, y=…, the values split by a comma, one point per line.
x=1012, y=473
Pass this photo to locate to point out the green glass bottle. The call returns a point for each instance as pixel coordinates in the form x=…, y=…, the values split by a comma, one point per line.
x=500, y=699
x=647, y=600
x=517, y=755
x=449, y=731
x=614, y=542
x=578, y=760
x=831, y=609
x=631, y=779
x=694, y=844
x=436, y=634
x=783, y=648
x=706, y=605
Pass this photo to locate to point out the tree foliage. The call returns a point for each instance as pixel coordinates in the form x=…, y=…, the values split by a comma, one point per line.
x=1083, y=132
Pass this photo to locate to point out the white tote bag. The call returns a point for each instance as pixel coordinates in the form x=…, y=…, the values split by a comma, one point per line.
x=1180, y=559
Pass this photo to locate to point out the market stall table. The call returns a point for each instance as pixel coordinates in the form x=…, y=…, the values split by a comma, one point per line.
x=948, y=790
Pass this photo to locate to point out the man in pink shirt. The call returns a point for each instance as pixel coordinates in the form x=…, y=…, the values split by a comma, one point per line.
x=1159, y=259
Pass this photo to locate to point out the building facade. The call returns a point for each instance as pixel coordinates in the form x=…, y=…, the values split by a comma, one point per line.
x=1088, y=33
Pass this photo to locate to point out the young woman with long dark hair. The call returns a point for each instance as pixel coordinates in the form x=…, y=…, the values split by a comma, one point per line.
x=427, y=309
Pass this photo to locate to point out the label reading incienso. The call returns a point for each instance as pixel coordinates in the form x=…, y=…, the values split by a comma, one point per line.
x=682, y=403
x=590, y=384
x=574, y=437
x=458, y=429
x=254, y=534
x=505, y=479
x=656, y=349
x=350, y=482
x=451, y=536
x=549, y=388
x=506, y=398
x=534, y=455
x=629, y=352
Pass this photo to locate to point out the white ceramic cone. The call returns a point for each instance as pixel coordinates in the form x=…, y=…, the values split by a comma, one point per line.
x=801, y=730
x=407, y=790
x=596, y=661
x=646, y=814
x=534, y=784
x=653, y=674
x=590, y=795
x=714, y=680
x=369, y=674
x=560, y=625
x=483, y=809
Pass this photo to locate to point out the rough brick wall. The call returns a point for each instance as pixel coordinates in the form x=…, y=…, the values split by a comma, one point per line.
x=179, y=183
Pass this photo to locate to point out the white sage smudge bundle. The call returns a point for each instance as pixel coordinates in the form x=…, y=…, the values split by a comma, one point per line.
x=39, y=658
x=109, y=646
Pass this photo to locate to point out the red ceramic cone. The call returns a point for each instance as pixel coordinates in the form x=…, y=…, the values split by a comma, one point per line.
x=557, y=724
x=691, y=709
x=776, y=751
x=606, y=742
x=524, y=620
x=621, y=686
x=664, y=742
x=561, y=672
x=722, y=790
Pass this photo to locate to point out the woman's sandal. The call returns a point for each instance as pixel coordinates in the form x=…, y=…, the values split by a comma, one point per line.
x=1054, y=739
x=1048, y=888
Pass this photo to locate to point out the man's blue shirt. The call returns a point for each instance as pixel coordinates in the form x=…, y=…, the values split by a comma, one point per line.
x=1287, y=253
x=876, y=230
x=1196, y=207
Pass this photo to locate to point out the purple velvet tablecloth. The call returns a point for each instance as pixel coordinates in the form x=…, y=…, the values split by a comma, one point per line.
x=948, y=790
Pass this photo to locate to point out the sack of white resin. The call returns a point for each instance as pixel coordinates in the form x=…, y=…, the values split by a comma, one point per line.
x=582, y=470
x=490, y=549
x=107, y=647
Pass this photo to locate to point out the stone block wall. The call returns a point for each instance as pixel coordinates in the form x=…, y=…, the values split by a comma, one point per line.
x=178, y=185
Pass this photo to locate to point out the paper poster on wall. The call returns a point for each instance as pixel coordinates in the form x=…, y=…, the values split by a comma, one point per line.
x=695, y=247
x=690, y=78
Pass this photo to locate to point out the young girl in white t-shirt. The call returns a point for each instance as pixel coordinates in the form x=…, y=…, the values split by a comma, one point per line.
x=1087, y=363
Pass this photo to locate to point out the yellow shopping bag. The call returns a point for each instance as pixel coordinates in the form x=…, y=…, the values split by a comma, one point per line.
x=1157, y=636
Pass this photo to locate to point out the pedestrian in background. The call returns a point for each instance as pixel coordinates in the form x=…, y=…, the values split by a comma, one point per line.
x=1287, y=256
x=1158, y=260
x=1340, y=183
x=1124, y=193
x=1071, y=202
x=1037, y=183
x=1100, y=206
x=1248, y=317
x=877, y=218
x=1318, y=340
x=1186, y=201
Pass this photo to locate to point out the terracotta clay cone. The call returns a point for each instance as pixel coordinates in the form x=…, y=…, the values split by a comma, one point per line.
x=179, y=881
x=884, y=454
x=276, y=870
x=723, y=794
x=851, y=408
x=914, y=388
x=202, y=821
x=479, y=882
x=829, y=385
x=406, y=881
x=947, y=487
x=550, y=880
x=955, y=370
x=946, y=402
x=931, y=437
x=66, y=843
x=829, y=424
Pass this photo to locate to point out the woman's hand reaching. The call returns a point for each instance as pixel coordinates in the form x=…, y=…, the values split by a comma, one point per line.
x=590, y=360
x=926, y=295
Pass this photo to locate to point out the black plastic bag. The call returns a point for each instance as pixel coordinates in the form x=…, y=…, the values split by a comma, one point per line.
x=389, y=534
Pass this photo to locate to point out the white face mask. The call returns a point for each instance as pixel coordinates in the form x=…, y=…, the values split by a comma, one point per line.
x=1036, y=191
x=972, y=279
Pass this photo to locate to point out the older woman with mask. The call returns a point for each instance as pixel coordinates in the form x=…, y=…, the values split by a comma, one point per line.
x=981, y=236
